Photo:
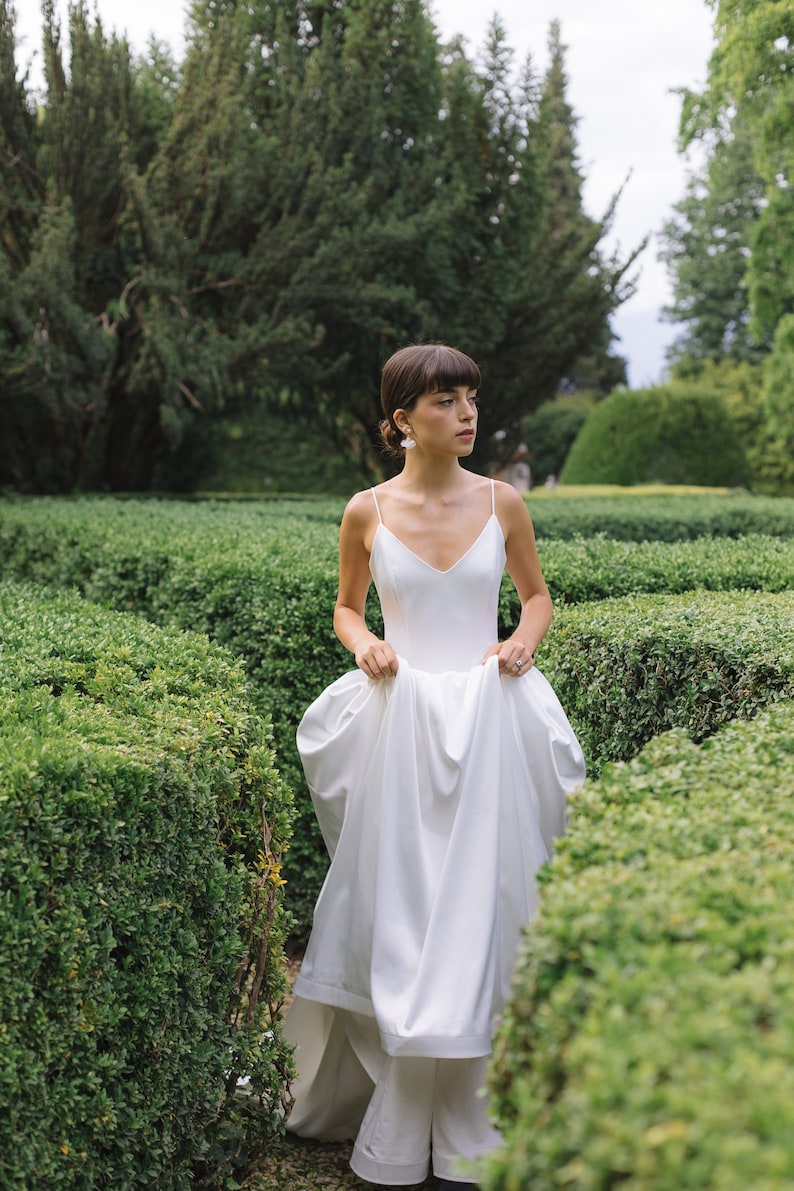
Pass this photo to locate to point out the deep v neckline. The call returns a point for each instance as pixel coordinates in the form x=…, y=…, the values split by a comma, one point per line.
x=424, y=561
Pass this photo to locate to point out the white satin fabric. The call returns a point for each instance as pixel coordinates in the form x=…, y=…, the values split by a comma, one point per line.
x=439, y=794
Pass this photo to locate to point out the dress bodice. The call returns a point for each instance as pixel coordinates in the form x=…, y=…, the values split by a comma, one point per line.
x=439, y=620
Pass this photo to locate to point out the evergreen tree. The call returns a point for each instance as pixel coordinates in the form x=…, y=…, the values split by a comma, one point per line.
x=751, y=82
x=183, y=222
x=20, y=189
x=562, y=290
x=53, y=395
x=339, y=265
x=385, y=222
x=706, y=247
x=66, y=270
x=317, y=185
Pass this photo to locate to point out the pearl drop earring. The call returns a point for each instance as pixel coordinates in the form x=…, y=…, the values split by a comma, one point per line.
x=407, y=443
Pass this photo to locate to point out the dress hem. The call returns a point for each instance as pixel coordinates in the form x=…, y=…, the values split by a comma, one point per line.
x=427, y=1046
x=334, y=998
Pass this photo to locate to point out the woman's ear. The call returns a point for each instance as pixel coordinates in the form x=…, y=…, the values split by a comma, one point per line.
x=401, y=421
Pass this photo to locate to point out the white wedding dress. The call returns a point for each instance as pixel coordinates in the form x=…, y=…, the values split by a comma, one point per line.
x=439, y=793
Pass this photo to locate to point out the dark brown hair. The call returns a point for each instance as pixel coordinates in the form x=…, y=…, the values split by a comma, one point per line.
x=417, y=369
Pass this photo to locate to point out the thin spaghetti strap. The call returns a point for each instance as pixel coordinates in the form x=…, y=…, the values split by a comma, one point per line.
x=493, y=499
x=377, y=506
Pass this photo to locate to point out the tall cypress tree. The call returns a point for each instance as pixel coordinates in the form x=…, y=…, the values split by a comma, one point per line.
x=587, y=285
x=67, y=273
x=185, y=217
x=339, y=266
x=53, y=405
x=560, y=290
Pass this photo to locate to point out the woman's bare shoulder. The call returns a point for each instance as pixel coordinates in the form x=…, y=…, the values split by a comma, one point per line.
x=360, y=514
x=509, y=500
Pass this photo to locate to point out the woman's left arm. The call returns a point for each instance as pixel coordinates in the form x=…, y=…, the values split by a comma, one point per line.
x=517, y=654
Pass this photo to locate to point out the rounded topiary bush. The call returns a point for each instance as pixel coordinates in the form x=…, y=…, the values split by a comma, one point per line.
x=141, y=827
x=675, y=434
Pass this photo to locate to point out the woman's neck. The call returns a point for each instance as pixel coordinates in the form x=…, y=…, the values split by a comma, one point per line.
x=431, y=475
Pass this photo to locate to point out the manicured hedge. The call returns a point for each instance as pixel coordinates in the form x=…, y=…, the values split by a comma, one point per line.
x=628, y=669
x=584, y=569
x=642, y=888
x=633, y=516
x=649, y=1042
x=670, y=434
x=260, y=577
x=629, y=514
x=141, y=830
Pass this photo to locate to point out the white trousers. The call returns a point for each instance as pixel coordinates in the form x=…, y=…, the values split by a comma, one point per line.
x=407, y=1115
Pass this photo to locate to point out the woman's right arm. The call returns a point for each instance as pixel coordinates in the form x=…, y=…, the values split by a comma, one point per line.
x=374, y=657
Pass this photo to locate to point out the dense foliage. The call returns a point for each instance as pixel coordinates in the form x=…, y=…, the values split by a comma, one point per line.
x=730, y=246
x=260, y=577
x=627, y=669
x=581, y=570
x=257, y=229
x=650, y=1039
x=706, y=247
x=662, y=910
x=550, y=431
x=676, y=434
x=652, y=515
x=142, y=825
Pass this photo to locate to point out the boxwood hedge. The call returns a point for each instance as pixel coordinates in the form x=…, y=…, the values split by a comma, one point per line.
x=628, y=669
x=649, y=1043
x=260, y=577
x=141, y=830
x=634, y=516
x=584, y=569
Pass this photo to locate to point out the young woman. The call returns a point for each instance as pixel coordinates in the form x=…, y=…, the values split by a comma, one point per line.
x=439, y=770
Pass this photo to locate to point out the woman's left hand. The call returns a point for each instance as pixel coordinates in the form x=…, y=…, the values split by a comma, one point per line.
x=515, y=658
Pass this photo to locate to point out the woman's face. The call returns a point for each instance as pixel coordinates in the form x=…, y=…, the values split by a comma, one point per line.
x=443, y=422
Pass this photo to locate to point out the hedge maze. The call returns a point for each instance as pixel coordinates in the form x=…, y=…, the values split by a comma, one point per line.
x=650, y=1036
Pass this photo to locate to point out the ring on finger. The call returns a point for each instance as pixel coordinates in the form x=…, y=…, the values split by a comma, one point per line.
x=518, y=664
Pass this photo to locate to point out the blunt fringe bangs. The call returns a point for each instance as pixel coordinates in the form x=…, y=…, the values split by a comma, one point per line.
x=447, y=368
x=425, y=368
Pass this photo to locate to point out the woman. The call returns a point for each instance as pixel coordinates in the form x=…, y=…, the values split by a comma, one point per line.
x=439, y=770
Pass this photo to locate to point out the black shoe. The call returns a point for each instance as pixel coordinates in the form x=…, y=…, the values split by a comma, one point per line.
x=448, y=1185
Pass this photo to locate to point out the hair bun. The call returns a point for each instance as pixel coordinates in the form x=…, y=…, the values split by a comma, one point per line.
x=391, y=437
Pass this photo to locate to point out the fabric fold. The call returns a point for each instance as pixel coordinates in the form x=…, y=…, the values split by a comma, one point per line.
x=436, y=830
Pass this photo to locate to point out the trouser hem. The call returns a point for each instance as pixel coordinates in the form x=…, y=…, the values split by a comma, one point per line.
x=450, y=1167
x=387, y=1173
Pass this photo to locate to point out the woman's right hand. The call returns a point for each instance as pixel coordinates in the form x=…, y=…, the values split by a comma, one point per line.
x=376, y=659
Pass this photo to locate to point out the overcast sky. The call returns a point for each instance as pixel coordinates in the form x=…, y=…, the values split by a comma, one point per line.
x=625, y=58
